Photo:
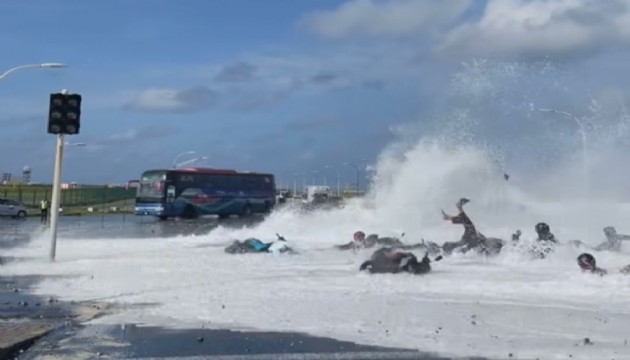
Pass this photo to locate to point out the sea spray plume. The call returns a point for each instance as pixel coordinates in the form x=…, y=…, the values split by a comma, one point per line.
x=408, y=190
x=463, y=150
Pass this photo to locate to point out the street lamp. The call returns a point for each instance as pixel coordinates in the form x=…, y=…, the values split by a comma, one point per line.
x=190, y=152
x=582, y=131
x=44, y=65
x=577, y=120
x=369, y=172
x=314, y=172
x=295, y=183
x=325, y=178
x=303, y=173
x=357, y=170
x=338, y=179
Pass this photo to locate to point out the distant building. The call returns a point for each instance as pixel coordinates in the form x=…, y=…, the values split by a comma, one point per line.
x=26, y=175
x=6, y=178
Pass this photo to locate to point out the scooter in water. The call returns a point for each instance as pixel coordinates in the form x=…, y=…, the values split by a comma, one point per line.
x=253, y=245
x=393, y=261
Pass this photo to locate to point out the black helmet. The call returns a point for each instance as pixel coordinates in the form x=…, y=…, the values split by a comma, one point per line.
x=542, y=228
x=586, y=261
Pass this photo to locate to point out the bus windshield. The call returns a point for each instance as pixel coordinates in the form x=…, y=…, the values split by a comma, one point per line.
x=151, y=185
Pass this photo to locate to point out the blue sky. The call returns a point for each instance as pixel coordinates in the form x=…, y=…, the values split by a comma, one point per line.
x=280, y=86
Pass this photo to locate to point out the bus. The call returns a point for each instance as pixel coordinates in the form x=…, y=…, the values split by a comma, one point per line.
x=192, y=192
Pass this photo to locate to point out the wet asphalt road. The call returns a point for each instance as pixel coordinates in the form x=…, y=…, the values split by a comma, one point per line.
x=78, y=341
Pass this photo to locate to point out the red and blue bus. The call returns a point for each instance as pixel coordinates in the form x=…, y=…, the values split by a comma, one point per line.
x=193, y=192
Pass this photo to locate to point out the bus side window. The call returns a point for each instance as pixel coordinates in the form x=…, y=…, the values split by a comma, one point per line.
x=170, y=193
x=218, y=182
x=249, y=183
x=235, y=183
x=260, y=182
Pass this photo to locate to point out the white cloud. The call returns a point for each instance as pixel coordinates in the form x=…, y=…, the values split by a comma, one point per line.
x=390, y=17
x=149, y=133
x=95, y=147
x=349, y=65
x=541, y=28
x=127, y=135
x=172, y=100
x=240, y=71
x=503, y=28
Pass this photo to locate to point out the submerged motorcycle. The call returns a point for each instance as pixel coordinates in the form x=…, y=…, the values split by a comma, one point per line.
x=394, y=261
x=253, y=245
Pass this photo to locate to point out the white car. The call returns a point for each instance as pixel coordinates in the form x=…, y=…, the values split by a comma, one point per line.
x=12, y=208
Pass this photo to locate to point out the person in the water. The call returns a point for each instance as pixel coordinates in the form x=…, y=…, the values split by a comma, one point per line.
x=587, y=262
x=516, y=237
x=545, y=242
x=613, y=240
x=360, y=241
x=471, y=239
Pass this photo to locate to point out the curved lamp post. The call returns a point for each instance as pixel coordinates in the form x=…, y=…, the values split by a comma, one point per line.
x=192, y=161
x=577, y=120
x=358, y=173
x=190, y=152
x=43, y=65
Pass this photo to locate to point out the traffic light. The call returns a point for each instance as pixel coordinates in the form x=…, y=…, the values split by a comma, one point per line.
x=64, y=116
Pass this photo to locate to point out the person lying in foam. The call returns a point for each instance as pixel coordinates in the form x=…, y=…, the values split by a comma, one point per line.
x=360, y=241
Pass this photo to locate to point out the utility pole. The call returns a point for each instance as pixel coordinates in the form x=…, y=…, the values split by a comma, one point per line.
x=64, y=118
x=56, y=194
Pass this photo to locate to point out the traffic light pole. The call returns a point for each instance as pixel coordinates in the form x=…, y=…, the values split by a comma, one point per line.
x=56, y=195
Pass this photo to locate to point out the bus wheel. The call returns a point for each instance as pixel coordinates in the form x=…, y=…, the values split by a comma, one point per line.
x=267, y=207
x=162, y=217
x=247, y=211
x=224, y=216
x=189, y=212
